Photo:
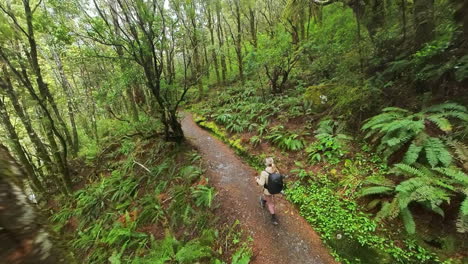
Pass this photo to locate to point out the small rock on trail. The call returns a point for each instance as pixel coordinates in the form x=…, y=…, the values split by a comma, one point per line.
x=292, y=241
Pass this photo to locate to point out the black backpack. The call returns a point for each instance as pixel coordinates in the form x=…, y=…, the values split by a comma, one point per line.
x=275, y=183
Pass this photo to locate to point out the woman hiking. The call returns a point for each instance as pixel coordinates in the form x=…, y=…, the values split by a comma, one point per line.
x=271, y=173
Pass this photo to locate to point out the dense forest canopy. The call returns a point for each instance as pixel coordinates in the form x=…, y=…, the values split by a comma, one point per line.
x=75, y=75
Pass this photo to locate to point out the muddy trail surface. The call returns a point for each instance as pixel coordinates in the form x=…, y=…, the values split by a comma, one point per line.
x=292, y=241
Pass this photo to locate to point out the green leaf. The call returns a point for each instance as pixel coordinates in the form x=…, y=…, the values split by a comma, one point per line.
x=375, y=190
x=442, y=123
x=411, y=156
x=408, y=221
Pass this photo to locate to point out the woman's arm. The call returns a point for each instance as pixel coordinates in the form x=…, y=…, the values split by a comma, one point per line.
x=261, y=180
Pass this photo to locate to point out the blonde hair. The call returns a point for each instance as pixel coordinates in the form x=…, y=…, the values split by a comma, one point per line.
x=269, y=162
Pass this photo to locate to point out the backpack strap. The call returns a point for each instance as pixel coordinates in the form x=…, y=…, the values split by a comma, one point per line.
x=265, y=186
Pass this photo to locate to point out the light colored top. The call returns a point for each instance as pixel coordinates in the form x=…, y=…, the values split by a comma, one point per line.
x=264, y=177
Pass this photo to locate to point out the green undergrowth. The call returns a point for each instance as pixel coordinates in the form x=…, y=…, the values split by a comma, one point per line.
x=147, y=203
x=328, y=202
x=351, y=233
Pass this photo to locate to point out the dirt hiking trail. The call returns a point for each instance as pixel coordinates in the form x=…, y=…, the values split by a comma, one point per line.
x=292, y=241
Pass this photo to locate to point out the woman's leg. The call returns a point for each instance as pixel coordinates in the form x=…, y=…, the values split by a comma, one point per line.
x=270, y=203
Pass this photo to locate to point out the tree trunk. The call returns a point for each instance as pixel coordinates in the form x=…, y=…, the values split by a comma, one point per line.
x=66, y=86
x=34, y=61
x=30, y=172
x=23, y=240
x=253, y=27
x=123, y=68
x=213, y=51
x=423, y=21
x=221, y=43
x=238, y=41
x=41, y=150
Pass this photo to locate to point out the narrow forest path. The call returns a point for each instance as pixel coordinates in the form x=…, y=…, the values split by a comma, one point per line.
x=292, y=241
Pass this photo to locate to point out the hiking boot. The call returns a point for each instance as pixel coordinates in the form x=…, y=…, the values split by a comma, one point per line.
x=274, y=220
x=262, y=202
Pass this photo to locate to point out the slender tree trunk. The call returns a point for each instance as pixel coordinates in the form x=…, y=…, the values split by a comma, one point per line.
x=253, y=27
x=123, y=68
x=31, y=173
x=238, y=41
x=41, y=150
x=66, y=86
x=47, y=96
x=24, y=239
x=213, y=51
x=221, y=42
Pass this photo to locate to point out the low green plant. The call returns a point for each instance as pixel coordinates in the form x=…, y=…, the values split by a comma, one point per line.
x=330, y=142
x=326, y=149
x=203, y=195
x=285, y=140
x=427, y=187
x=424, y=133
x=334, y=217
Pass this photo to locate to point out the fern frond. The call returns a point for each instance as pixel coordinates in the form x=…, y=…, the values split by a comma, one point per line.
x=395, y=110
x=375, y=190
x=441, y=122
x=460, y=149
x=430, y=194
x=459, y=115
x=446, y=106
x=406, y=169
x=388, y=210
x=464, y=207
x=383, y=118
x=436, y=152
x=434, y=207
x=379, y=180
x=462, y=224
x=408, y=221
x=412, y=155
x=455, y=174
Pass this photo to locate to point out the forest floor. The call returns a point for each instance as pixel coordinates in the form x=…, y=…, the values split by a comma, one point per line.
x=292, y=241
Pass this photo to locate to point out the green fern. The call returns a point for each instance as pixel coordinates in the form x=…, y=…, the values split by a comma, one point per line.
x=204, y=195
x=395, y=128
x=375, y=190
x=461, y=153
x=429, y=187
x=408, y=221
x=412, y=155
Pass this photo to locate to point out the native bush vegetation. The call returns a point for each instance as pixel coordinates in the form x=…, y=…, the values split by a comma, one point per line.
x=431, y=188
x=368, y=94
x=142, y=207
x=424, y=134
